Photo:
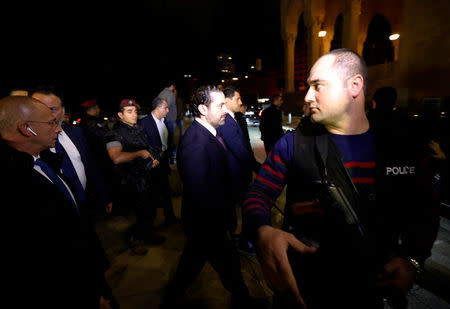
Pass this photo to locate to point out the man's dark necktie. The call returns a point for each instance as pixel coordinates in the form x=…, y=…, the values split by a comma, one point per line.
x=221, y=140
x=56, y=181
x=69, y=171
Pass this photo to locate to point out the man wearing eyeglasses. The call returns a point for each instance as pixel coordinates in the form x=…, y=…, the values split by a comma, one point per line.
x=78, y=162
x=54, y=259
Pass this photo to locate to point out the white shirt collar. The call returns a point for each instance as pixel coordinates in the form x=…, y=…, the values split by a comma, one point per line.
x=209, y=127
x=156, y=119
x=231, y=113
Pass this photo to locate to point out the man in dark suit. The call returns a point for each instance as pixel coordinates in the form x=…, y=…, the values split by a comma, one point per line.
x=271, y=124
x=78, y=163
x=208, y=214
x=95, y=128
x=241, y=158
x=240, y=155
x=240, y=118
x=155, y=128
x=54, y=257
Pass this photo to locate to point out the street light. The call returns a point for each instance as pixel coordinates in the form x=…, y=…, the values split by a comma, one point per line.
x=394, y=36
x=322, y=33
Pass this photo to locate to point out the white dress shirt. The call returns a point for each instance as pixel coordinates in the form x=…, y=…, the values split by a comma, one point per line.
x=163, y=132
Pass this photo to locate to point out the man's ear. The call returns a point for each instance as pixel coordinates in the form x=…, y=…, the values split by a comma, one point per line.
x=120, y=114
x=203, y=109
x=356, y=85
x=22, y=128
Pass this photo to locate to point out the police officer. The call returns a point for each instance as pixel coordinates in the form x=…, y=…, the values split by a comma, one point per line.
x=95, y=130
x=129, y=150
x=359, y=223
x=271, y=124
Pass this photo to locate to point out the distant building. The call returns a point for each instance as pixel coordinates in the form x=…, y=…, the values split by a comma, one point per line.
x=404, y=43
x=226, y=65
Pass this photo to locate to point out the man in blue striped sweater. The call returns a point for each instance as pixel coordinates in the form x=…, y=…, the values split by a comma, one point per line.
x=325, y=257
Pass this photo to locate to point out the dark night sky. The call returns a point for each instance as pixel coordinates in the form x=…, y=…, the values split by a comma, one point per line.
x=129, y=48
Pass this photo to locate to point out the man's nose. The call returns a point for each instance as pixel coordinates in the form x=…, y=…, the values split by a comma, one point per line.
x=309, y=97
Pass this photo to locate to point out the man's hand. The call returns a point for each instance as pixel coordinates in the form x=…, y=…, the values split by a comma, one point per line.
x=397, y=276
x=104, y=303
x=155, y=163
x=437, y=151
x=145, y=154
x=272, y=249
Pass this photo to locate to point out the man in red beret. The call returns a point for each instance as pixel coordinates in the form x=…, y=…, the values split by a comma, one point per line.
x=94, y=129
x=129, y=150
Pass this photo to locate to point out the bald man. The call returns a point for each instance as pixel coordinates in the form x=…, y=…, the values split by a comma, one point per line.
x=54, y=259
x=359, y=224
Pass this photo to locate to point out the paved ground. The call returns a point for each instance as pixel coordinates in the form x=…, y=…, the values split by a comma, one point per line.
x=137, y=281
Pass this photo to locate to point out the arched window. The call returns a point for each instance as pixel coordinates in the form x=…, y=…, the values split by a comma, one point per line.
x=377, y=47
x=337, y=38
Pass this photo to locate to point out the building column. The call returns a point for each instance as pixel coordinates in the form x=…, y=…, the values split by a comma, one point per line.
x=290, y=11
x=289, y=61
x=314, y=17
x=352, y=11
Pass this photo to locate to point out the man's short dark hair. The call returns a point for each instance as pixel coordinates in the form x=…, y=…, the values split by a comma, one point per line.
x=157, y=102
x=229, y=91
x=47, y=90
x=385, y=98
x=169, y=83
x=350, y=64
x=202, y=96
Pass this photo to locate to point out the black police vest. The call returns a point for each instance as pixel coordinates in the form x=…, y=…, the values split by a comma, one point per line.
x=309, y=211
x=384, y=217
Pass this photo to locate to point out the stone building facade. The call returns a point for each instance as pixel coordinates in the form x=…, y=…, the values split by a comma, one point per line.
x=417, y=64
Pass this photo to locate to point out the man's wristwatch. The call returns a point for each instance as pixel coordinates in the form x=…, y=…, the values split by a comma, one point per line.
x=415, y=264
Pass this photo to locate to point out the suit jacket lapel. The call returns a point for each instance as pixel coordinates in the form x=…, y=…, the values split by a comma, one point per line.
x=211, y=138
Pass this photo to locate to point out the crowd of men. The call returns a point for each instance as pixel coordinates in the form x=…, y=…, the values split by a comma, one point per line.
x=354, y=231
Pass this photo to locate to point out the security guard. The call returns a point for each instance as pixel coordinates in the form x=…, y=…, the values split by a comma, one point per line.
x=129, y=150
x=359, y=223
x=95, y=129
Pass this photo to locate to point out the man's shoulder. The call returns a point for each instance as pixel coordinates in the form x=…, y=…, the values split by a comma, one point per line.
x=147, y=121
x=195, y=130
x=116, y=134
x=193, y=139
x=229, y=121
x=165, y=92
x=74, y=133
x=72, y=129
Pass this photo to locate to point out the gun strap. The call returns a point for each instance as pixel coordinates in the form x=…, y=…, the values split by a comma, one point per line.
x=333, y=169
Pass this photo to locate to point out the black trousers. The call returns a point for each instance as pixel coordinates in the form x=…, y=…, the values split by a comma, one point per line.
x=137, y=197
x=161, y=192
x=220, y=251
